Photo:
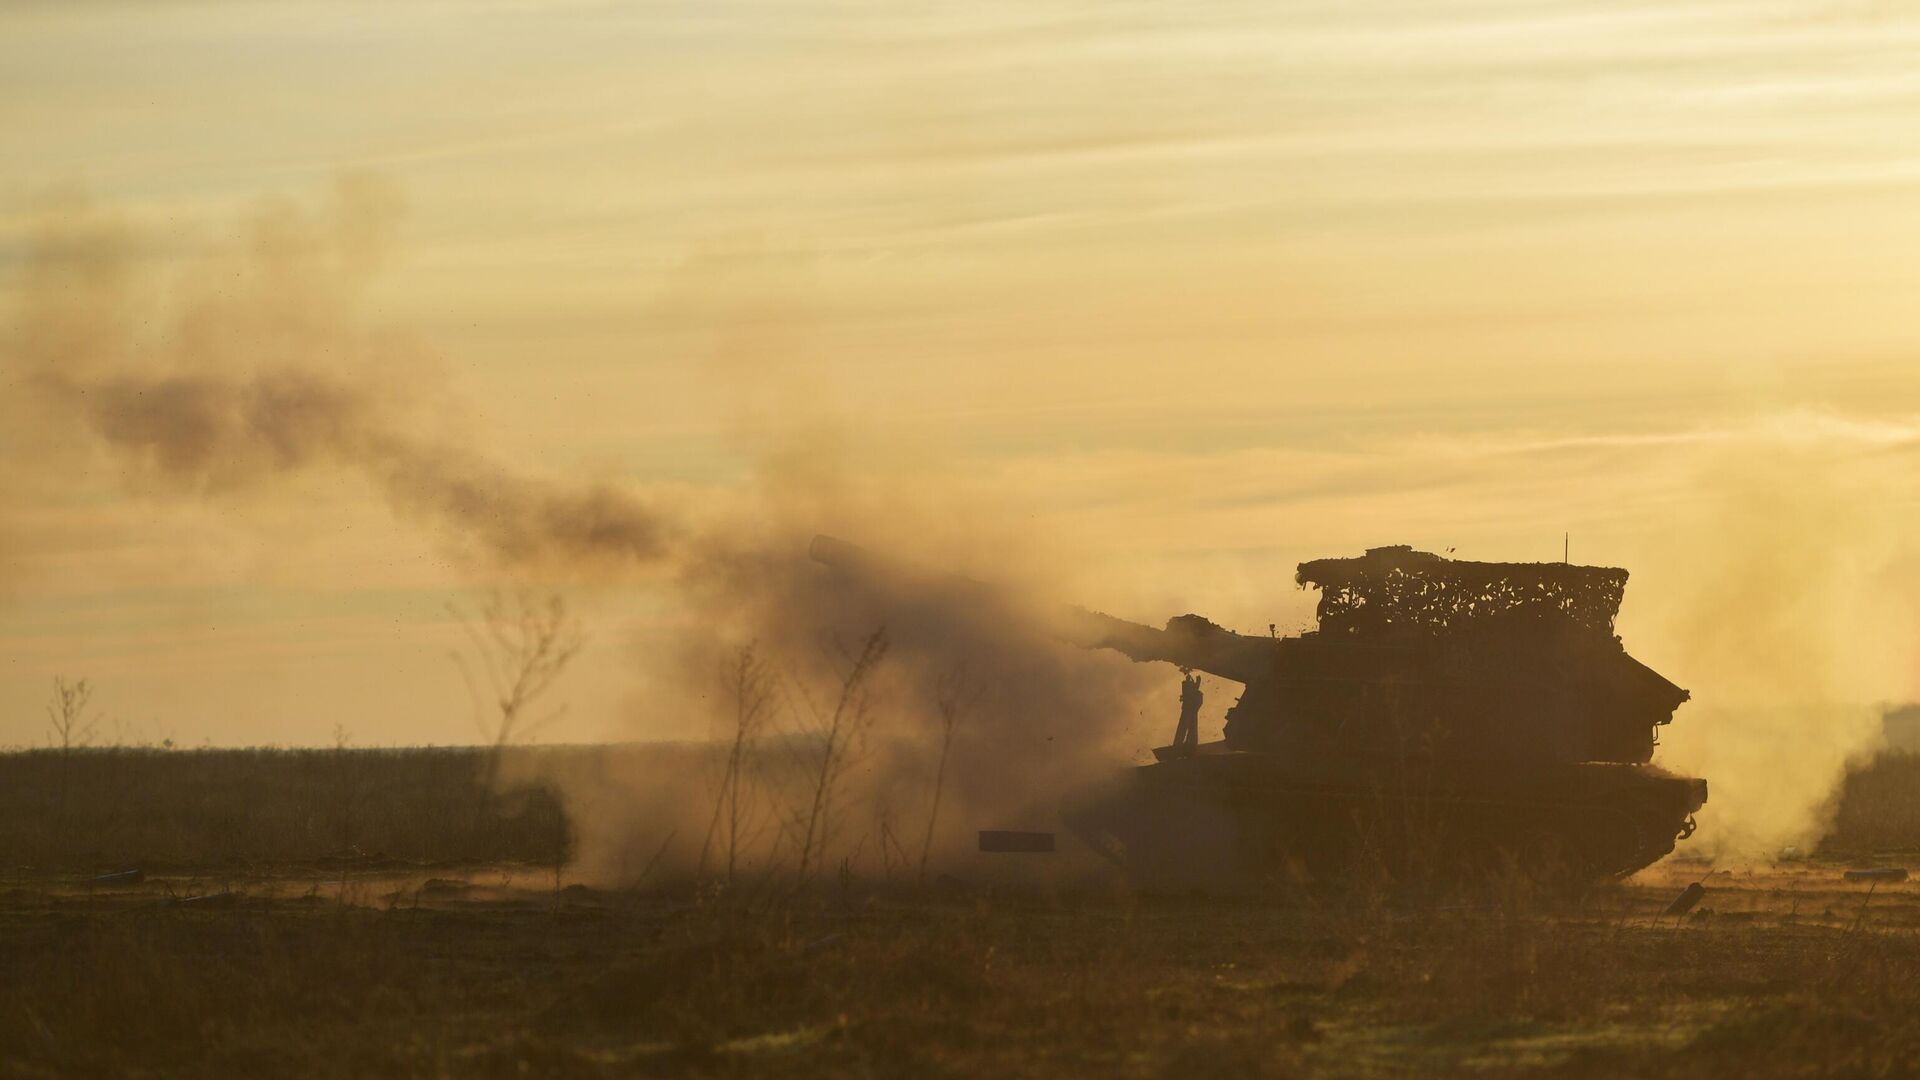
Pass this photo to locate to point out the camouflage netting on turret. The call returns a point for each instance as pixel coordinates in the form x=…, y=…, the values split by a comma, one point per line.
x=1398, y=589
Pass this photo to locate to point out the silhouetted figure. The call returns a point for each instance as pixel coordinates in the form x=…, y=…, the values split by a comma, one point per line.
x=1187, y=735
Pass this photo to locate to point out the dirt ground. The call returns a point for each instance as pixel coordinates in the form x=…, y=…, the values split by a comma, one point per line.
x=362, y=970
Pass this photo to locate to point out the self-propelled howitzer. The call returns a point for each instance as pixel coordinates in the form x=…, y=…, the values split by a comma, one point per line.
x=1444, y=715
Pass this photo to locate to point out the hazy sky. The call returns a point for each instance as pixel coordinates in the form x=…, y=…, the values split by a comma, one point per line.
x=1194, y=291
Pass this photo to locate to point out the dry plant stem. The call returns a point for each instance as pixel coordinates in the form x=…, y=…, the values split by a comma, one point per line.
x=67, y=716
x=839, y=734
x=523, y=644
x=751, y=684
x=956, y=697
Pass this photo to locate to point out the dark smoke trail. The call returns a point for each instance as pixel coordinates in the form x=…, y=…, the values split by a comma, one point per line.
x=270, y=374
x=223, y=424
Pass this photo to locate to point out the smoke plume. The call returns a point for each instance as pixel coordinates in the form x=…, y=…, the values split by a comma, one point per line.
x=259, y=365
x=1780, y=597
x=271, y=374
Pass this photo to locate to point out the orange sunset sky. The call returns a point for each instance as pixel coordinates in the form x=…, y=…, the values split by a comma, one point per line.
x=1176, y=294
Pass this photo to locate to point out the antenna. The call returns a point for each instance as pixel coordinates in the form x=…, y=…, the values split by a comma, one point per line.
x=1566, y=547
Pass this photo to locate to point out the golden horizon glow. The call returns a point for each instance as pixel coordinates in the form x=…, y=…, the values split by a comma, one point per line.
x=1185, y=296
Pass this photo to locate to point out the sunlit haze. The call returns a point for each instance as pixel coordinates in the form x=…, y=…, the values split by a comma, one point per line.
x=1179, y=295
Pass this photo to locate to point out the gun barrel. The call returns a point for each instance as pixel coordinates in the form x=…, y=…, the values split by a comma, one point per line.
x=1189, y=641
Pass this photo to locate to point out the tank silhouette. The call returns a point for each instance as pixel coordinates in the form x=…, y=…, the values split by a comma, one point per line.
x=1446, y=716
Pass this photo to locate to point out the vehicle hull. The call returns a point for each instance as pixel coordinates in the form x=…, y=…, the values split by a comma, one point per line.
x=1226, y=819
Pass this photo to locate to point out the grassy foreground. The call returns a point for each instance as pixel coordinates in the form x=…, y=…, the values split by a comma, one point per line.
x=448, y=979
x=355, y=913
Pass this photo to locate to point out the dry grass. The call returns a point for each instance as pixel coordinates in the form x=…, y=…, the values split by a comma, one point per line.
x=960, y=985
x=356, y=973
x=106, y=809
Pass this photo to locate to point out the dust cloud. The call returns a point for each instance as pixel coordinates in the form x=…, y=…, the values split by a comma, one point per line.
x=259, y=365
x=1032, y=719
x=1782, y=599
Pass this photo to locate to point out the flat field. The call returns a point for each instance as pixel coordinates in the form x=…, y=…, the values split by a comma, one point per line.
x=331, y=962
